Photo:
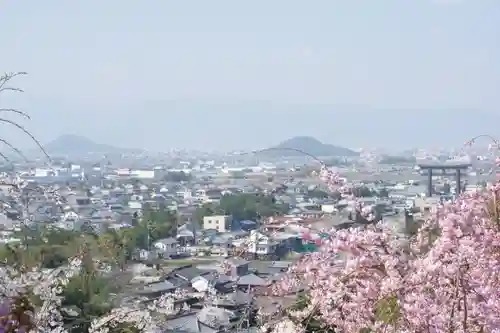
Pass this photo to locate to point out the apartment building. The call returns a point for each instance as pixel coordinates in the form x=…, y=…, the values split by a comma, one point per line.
x=221, y=223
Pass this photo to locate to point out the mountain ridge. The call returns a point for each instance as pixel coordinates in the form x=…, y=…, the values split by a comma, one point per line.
x=309, y=145
x=67, y=144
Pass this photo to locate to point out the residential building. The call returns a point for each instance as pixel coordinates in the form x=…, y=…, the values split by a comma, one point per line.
x=167, y=246
x=221, y=223
x=261, y=244
x=328, y=208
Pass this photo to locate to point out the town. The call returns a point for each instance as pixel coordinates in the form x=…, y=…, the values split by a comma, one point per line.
x=217, y=231
x=250, y=166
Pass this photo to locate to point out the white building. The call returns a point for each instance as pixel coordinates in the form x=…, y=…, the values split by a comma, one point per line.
x=261, y=244
x=221, y=223
x=142, y=174
x=167, y=246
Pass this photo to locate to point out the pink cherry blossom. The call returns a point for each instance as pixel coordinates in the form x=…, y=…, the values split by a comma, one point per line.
x=447, y=279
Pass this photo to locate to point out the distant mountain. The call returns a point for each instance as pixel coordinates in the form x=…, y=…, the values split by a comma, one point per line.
x=309, y=145
x=70, y=144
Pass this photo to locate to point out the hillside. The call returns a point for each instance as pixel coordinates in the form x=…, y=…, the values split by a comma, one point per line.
x=75, y=144
x=309, y=145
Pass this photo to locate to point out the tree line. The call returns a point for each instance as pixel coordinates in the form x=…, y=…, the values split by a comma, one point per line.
x=243, y=206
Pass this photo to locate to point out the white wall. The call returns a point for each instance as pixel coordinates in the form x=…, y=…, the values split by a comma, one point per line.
x=142, y=174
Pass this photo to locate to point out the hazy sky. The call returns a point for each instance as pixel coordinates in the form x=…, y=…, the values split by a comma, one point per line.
x=162, y=73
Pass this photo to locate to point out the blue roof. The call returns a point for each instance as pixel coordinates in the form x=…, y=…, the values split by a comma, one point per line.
x=238, y=225
x=248, y=222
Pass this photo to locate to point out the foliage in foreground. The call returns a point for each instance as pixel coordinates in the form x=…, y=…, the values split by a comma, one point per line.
x=371, y=280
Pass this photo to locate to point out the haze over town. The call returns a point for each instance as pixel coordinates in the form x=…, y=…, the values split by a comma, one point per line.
x=254, y=166
x=341, y=71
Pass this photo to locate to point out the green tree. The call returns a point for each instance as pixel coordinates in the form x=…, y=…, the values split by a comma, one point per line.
x=482, y=184
x=53, y=256
x=246, y=206
x=42, y=247
x=446, y=188
x=117, y=246
x=362, y=192
x=238, y=175
x=310, y=324
x=177, y=177
x=318, y=194
x=87, y=293
x=18, y=256
x=161, y=222
x=383, y=193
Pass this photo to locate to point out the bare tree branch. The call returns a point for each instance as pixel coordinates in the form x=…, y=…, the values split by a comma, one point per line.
x=5, y=158
x=28, y=134
x=19, y=152
x=6, y=77
x=4, y=80
x=25, y=115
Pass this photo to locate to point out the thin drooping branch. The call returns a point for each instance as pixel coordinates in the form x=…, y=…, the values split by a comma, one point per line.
x=5, y=158
x=27, y=133
x=6, y=77
x=19, y=152
x=25, y=115
x=4, y=81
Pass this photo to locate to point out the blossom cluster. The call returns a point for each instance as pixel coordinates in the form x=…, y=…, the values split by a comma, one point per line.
x=31, y=300
x=31, y=303
x=371, y=279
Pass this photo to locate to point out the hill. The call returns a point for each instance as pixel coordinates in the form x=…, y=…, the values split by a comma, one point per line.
x=70, y=144
x=309, y=145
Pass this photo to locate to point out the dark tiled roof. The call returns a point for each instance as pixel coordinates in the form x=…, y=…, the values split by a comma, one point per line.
x=188, y=273
x=252, y=280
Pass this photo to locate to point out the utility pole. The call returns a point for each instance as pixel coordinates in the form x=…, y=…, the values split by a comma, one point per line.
x=149, y=235
x=26, y=217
